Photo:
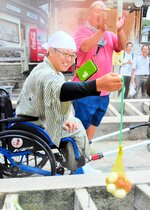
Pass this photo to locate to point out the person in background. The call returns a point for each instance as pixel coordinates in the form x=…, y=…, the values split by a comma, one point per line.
x=46, y=95
x=140, y=70
x=147, y=87
x=126, y=67
x=94, y=42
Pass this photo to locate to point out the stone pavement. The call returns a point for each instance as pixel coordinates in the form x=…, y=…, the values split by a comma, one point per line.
x=135, y=157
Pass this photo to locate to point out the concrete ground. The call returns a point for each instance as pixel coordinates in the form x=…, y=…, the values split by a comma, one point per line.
x=136, y=158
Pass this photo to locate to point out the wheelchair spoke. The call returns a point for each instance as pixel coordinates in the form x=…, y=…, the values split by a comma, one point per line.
x=33, y=157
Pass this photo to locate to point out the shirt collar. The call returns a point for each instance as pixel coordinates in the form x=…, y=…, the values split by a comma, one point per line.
x=48, y=62
x=92, y=28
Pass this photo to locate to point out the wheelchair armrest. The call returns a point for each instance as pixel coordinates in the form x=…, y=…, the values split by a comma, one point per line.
x=20, y=118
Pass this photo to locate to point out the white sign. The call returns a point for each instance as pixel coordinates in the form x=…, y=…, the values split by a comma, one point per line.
x=32, y=15
x=13, y=8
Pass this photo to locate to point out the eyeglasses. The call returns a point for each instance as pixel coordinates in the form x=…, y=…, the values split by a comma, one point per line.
x=66, y=55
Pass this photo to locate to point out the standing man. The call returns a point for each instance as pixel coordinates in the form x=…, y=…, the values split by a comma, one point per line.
x=94, y=42
x=126, y=67
x=140, y=70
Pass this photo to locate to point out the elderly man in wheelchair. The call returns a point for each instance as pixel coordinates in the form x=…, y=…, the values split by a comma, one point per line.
x=43, y=137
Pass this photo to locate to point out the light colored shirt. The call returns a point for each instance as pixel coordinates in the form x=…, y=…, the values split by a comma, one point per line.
x=126, y=68
x=141, y=65
x=40, y=98
x=104, y=58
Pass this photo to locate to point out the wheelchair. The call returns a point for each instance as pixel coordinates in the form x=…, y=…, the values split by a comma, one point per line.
x=26, y=149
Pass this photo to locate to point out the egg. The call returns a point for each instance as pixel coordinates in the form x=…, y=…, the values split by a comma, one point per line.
x=120, y=183
x=128, y=186
x=113, y=176
x=122, y=175
x=120, y=193
x=111, y=188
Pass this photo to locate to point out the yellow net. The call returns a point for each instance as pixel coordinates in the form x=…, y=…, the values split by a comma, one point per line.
x=118, y=166
x=117, y=182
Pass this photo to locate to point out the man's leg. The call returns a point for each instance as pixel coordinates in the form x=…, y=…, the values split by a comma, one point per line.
x=100, y=108
x=127, y=85
x=84, y=110
x=144, y=79
x=148, y=129
x=71, y=162
x=79, y=136
x=91, y=131
x=137, y=84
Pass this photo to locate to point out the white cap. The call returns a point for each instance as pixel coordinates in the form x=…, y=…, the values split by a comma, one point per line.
x=60, y=39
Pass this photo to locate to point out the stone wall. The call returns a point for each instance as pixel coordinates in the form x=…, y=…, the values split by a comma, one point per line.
x=11, y=74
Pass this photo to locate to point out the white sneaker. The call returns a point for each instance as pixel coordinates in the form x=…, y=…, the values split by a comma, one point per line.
x=88, y=169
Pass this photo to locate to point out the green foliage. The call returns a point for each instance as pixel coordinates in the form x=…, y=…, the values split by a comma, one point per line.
x=145, y=22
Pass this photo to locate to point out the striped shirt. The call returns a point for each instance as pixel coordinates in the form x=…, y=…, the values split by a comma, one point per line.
x=40, y=98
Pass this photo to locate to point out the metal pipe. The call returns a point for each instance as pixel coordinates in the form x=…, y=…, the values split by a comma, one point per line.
x=120, y=8
x=127, y=147
x=109, y=135
x=117, y=132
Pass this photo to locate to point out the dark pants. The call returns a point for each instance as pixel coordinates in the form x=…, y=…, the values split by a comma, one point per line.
x=127, y=80
x=140, y=81
x=148, y=129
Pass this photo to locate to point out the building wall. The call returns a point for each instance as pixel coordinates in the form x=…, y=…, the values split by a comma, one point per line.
x=11, y=23
x=11, y=74
x=71, y=18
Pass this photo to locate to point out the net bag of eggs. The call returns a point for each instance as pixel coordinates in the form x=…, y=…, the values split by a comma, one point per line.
x=117, y=182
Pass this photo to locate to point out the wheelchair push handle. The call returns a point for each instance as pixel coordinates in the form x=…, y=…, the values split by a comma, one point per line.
x=139, y=125
x=3, y=90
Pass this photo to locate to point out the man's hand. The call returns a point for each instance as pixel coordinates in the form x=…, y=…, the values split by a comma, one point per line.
x=70, y=126
x=129, y=62
x=121, y=21
x=109, y=82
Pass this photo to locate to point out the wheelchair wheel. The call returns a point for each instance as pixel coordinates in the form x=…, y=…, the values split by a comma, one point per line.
x=24, y=154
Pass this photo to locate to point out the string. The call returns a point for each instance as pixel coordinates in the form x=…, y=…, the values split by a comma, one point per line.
x=121, y=111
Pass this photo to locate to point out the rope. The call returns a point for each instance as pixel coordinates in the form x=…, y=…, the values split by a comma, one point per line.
x=121, y=112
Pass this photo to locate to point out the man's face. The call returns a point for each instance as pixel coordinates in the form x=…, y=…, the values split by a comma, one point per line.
x=129, y=47
x=97, y=16
x=145, y=51
x=62, y=59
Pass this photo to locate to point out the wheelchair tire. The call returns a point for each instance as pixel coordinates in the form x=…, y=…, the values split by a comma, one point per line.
x=18, y=160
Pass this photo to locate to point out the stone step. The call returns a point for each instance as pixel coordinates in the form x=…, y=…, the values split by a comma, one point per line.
x=59, y=192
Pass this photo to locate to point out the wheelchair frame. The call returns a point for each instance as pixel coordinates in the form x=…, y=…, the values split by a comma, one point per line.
x=23, y=143
x=26, y=149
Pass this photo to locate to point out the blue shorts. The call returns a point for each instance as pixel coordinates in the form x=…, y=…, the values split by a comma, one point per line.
x=90, y=110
